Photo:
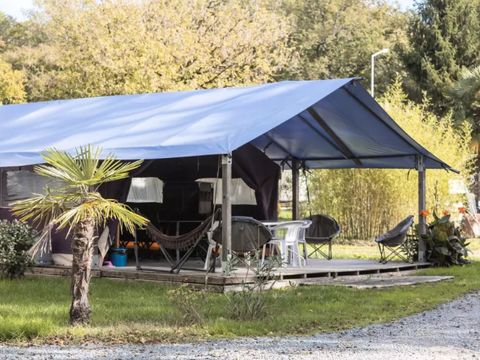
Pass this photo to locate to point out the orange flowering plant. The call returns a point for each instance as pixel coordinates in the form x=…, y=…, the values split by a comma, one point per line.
x=445, y=244
x=424, y=213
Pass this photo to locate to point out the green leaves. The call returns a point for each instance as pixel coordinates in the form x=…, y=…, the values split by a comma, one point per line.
x=125, y=47
x=445, y=245
x=445, y=37
x=16, y=239
x=85, y=168
x=78, y=200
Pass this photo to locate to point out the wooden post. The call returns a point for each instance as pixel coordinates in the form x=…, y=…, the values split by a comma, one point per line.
x=226, y=209
x=422, y=204
x=295, y=190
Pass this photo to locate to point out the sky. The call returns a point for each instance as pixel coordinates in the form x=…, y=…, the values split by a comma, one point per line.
x=15, y=8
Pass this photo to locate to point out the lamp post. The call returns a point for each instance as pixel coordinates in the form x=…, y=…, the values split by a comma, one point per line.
x=372, y=76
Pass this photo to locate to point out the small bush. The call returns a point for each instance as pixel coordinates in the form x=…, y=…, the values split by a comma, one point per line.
x=16, y=239
x=189, y=303
x=445, y=244
x=250, y=303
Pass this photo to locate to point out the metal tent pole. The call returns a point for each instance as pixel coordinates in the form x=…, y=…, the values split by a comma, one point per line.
x=226, y=209
x=295, y=189
x=422, y=221
x=3, y=187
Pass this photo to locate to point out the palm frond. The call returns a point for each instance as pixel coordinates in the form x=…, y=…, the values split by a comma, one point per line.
x=41, y=209
x=468, y=84
x=85, y=167
x=77, y=202
x=101, y=210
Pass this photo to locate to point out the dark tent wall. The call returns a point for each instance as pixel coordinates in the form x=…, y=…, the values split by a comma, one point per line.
x=181, y=191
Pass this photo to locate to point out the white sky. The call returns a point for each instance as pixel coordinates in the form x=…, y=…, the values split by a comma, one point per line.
x=16, y=8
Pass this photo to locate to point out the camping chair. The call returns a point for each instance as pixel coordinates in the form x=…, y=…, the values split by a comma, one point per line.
x=187, y=242
x=321, y=233
x=248, y=236
x=393, y=242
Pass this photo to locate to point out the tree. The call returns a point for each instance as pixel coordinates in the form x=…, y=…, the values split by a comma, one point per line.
x=11, y=84
x=335, y=38
x=466, y=93
x=445, y=37
x=79, y=206
x=109, y=47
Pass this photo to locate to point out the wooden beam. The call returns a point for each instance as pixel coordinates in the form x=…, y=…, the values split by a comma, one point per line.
x=422, y=204
x=226, y=209
x=295, y=189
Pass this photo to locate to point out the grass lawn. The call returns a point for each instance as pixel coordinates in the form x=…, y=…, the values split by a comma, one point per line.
x=370, y=251
x=35, y=309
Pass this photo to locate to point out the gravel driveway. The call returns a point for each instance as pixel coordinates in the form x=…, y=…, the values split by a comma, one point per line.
x=451, y=331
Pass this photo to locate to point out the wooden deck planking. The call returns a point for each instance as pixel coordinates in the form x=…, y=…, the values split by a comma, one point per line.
x=218, y=282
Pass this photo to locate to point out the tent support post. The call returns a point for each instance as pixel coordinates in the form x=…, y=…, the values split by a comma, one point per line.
x=3, y=187
x=422, y=221
x=226, y=210
x=295, y=189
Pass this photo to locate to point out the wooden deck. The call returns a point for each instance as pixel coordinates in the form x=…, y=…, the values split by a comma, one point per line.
x=159, y=272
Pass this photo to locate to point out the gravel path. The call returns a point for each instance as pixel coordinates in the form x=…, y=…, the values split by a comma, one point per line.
x=451, y=331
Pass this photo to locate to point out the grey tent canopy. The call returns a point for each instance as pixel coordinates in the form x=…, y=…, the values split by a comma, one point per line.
x=322, y=123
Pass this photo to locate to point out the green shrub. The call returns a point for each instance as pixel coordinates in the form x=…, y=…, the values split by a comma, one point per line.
x=445, y=244
x=250, y=302
x=189, y=303
x=16, y=238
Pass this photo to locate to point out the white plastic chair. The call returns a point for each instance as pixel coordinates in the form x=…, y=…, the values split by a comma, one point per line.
x=212, y=245
x=288, y=236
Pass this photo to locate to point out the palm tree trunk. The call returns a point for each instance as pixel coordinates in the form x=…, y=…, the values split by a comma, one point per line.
x=82, y=250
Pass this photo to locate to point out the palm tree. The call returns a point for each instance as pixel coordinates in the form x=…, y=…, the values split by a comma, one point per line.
x=78, y=206
x=466, y=92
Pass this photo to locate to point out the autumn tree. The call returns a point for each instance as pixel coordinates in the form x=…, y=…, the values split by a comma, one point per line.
x=118, y=46
x=11, y=84
x=11, y=80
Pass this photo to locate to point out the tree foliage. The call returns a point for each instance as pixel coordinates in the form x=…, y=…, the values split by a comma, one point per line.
x=110, y=47
x=367, y=202
x=466, y=92
x=11, y=84
x=445, y=37
x=335, y=38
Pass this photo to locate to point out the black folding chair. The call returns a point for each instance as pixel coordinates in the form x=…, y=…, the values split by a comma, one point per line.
x=248, y=236
x=321, y=233
x=392, y=243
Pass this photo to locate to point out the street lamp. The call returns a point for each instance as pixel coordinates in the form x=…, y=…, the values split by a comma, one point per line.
x=372, y=76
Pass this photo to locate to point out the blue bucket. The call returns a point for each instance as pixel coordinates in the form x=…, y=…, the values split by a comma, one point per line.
x=119, y=257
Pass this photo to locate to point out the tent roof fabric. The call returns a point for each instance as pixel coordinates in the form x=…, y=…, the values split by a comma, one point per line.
x=324, y=123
